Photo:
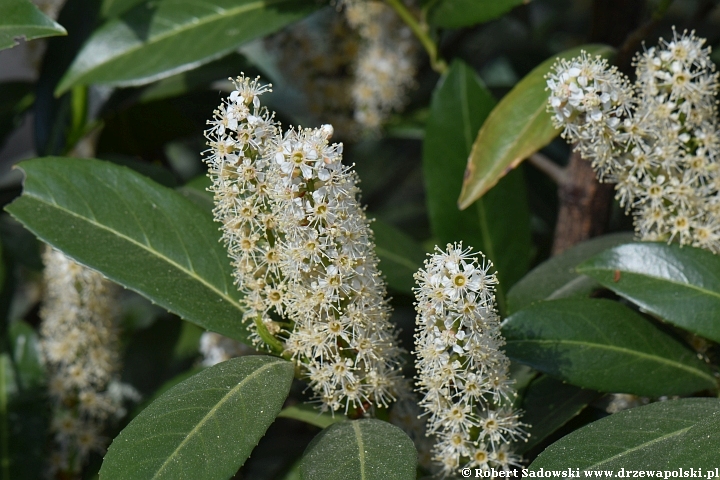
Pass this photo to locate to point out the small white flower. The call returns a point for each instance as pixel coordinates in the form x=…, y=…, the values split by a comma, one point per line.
x=461, y=370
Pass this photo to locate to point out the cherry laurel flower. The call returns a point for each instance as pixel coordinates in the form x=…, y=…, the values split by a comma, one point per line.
x=462, y=371
x=80, y=347
x=386, y=61
x=302, y=252
x=657, y=140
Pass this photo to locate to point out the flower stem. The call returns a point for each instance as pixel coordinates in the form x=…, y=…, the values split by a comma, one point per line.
x=275, y=345
x=420, y=31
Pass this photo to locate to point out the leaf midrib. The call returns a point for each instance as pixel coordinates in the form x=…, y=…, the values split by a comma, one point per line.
x=361, y=448
x=689, y=286
x=625, y=452
x=190, y=273
x=189, y=26
x=619, y=349
x=209, y=414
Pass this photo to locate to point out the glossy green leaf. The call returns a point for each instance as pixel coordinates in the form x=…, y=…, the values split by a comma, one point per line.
x=360, y=450
x=400, y=256
x=678, y=284
x=517, y=127
x=603, y=345
x=548, y=405
x=205, y=427
x=463, y=13
x=139, y=234
x=184, y=82
x=20, y=18
x=557, y=278
x=310, y=414
x=498, y=224
x=665, y=435
x=157, y=39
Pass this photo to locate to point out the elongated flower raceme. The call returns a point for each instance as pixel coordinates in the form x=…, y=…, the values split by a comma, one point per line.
x=386, y=61
x=303, y=252
x=461, y=369
x=315, y=56
x=657, y=139
x=80, y=347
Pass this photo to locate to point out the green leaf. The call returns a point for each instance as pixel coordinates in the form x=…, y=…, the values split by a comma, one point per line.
x=362, y=449
x=400, y=256
x=660, y=436
x=678, y=284
x=185, y=82
x=548, y=405
x=499, y=224
x=517, y=127
x=556, y=278
x=137, y=233
x=205, y=427
x=20, y=18
x=309, y=414
x=463, y=13
x=158, y=39
x=605, y=346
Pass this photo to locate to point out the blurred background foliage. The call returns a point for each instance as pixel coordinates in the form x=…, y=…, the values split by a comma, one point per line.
x=99, y=91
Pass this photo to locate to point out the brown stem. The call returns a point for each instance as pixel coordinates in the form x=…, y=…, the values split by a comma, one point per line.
x=584, y=205
x=555, y=172
x=584, y=202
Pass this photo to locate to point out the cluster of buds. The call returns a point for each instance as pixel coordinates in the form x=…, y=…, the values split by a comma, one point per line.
x=657, y=140
x=302, y=252
x=461, y=369
x=80, y=347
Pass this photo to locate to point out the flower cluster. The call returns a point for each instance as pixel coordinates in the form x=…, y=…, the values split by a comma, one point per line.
x=302, y=252
x=316, y=56
x=386, y=62
x=79, y=344
x=461, y=368
x=368, y=51
x=657, y=139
